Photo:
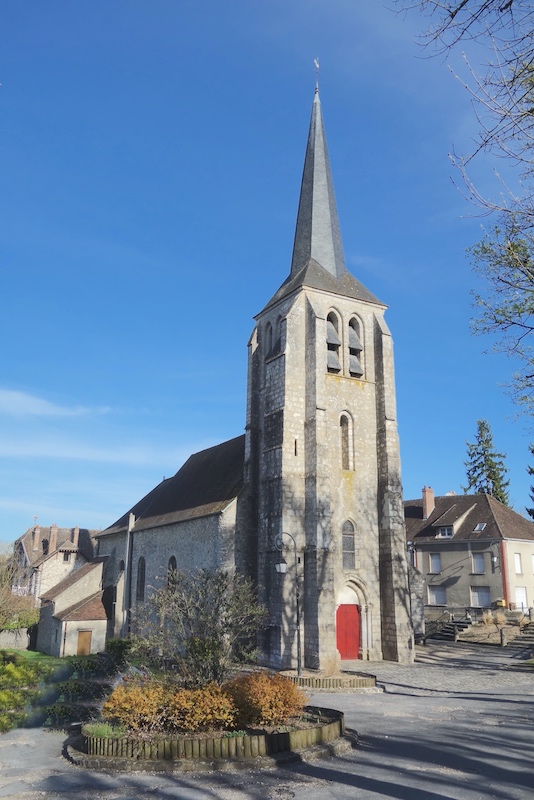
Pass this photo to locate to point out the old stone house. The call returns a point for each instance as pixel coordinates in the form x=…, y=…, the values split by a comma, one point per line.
x=473, y=552
x=318, y=467
x=44, y=556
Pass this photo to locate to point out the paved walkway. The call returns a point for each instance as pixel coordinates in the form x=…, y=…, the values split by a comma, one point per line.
x=456, y=725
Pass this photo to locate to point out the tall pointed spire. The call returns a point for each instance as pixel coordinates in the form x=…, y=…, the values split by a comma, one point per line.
x=317, y=235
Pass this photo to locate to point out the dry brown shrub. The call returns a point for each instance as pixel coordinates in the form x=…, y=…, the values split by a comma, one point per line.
x=265, y=699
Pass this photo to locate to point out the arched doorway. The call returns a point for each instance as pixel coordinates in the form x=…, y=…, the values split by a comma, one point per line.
x=348, y=626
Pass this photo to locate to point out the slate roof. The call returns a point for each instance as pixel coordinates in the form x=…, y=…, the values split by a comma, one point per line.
x=89, y=609
x=204, y=485
x=318, y=260
x=316, y=277
x=501, y=522
x=64, y=541
x=71, y=579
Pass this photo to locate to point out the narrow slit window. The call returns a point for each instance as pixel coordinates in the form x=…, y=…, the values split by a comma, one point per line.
x=268, y=339
x=333, y=344
x=171, y=573
x=345, y=441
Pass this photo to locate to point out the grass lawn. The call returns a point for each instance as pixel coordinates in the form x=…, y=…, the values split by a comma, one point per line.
x=34, y=657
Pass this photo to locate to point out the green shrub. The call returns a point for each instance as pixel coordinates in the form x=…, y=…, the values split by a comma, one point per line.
x=8, y=721
x=19, y=672
x=119, y=650
x=265, y=699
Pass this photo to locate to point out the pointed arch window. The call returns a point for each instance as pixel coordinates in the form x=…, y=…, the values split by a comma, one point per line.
x=333, y=343
x=268, y=339
x=140, y=585
x=345, y=428
x=348, y=545
x=355, y=349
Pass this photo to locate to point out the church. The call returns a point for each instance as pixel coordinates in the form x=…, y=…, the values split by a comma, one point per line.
x=314, y=483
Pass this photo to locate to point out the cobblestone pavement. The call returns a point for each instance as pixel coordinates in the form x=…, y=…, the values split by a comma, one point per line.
x=456, y=725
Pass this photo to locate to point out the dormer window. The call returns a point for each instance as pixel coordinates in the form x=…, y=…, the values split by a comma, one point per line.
x=445, y=532
x=333, y=344
x=355, y=349
x=479, y=527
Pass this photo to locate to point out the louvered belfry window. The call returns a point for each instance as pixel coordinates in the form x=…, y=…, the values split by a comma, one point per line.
x=333, y=344
x=355, y=349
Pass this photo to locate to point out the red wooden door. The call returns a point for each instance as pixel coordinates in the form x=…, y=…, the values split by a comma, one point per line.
x=348, y=631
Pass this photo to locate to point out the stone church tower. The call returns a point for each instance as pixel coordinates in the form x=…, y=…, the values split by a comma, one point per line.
x=322, y=454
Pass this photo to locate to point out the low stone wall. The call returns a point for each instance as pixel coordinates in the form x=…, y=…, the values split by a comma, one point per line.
x=14, y=640
x=341, y=682
x=215, y=753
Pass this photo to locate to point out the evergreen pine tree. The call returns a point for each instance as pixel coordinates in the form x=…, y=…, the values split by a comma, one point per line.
x=485, y=468
x=530, y=470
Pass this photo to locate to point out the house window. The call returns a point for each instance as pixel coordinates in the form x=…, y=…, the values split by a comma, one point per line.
x=66, y=556
x=333, y=343
x=437, y=596
x=434, y=565
x=477, y=566
x=140, y=585
x=521, y=597
x=348, y=545
x=445, y=532
x=171, y=573
x=355, y=349
x=517, y=564
x=479, y=527
x=480, y=596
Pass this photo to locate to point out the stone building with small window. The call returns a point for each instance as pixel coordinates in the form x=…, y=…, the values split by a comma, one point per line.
x=319, y=461
x=473, y=552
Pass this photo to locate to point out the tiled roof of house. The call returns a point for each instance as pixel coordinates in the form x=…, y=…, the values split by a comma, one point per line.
x=206, y=483
x=73, y=578
x=500, y=522
x=89, y=609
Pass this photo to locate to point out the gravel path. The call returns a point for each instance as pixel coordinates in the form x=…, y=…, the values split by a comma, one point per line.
x=456, y=725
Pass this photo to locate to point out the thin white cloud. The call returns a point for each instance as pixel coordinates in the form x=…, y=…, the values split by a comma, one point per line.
x=22, y=404
x=144, y=454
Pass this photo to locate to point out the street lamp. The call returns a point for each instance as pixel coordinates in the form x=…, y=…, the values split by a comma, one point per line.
x=281, y=568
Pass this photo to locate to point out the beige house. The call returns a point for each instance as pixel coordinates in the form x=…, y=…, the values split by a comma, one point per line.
x=473, y=551
x=74, y=614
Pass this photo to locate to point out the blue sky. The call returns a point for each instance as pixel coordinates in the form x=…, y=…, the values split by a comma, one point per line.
x=150, y=161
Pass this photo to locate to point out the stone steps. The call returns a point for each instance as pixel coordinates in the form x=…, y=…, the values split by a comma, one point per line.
x=449, y=629
x=525, y=640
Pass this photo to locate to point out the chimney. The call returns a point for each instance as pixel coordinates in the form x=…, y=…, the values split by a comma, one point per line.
x=75, y=536
x=52, y=545
x=428, y=501
x=36, y=534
